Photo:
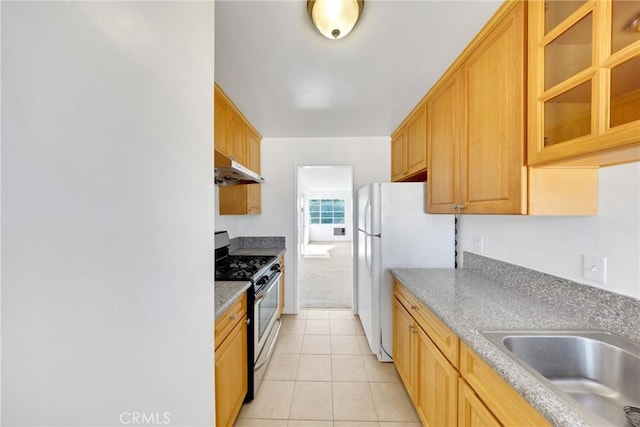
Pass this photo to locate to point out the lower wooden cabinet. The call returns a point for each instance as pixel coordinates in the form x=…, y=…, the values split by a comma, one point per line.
x=448, y=383
x=471, y=411
x=430, y=379
x=504, y=402
x=231, y=365
x=404, y=356
x=437, y=384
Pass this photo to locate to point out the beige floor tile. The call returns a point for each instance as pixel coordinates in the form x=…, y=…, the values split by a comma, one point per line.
x=380, y=371
x=282, y=367
x=317, y=327
x=392, y=402
x=342, y=327
x=306, y=423
x=317, y=314
x=312, y=401
x=256, y=422
x=272, y=401
x=357, y=325
x=344, y=344
x=348, y=368
x=353, y=401
x=341, y=315
x=293, y=327
x=302, y=314
x=288, y=344
x=313, y=367
x=364, y=345
x=355, y=424
x=286, y=318
x=316, y=344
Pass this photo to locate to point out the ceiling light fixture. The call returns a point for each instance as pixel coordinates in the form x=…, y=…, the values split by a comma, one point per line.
x=334, y=18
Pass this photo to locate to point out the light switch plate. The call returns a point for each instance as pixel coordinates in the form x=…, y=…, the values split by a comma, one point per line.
x=595, y=268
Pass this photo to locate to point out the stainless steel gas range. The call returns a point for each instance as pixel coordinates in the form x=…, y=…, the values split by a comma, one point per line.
x=262, y=309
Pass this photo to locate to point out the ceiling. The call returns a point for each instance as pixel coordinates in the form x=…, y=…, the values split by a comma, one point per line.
x=290, y=81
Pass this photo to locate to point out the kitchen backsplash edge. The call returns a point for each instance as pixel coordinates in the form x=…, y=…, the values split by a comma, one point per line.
x=601, y=308
x=268, y=242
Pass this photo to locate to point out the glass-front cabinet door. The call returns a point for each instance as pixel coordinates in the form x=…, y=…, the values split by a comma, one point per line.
x=584, y=84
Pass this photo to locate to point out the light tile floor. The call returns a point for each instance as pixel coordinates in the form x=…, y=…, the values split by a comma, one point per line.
x=322, y=374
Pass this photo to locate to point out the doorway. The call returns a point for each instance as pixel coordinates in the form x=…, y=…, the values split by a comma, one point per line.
x=325, y=236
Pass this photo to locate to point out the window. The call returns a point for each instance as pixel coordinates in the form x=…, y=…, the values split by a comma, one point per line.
x=326, y=211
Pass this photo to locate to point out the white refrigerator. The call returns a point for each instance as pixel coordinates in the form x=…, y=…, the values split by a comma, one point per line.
x=395, y=231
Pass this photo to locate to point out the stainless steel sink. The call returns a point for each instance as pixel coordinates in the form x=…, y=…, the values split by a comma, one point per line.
x=596, y=373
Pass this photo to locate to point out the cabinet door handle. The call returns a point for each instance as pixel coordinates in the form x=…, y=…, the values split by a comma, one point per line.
x=233, y=316
x=414, y=307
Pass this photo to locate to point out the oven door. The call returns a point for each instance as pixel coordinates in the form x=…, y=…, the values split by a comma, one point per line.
x=265, y=314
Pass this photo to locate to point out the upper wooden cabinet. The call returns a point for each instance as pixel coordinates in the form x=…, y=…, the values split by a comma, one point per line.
x=409, y=147
x=230, y=128
x=477, y=126
x=398, y=155
x=444, y=132
x=236, y=138
x=584, y=90
x=476, y=132
x=220, y=107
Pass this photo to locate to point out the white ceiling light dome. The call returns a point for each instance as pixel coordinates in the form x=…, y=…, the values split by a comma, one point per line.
x=335, y=18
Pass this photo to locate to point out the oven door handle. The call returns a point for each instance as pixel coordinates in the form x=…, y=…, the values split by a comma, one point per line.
x=262, y=295
x=260, y=363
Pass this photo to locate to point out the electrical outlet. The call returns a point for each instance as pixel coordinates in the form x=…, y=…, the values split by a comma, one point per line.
x=478, y=244
x=595, y=268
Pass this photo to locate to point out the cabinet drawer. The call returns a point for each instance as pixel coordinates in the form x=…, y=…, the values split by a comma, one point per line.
x=227, y=320
x=442, y=336
x=506, y=404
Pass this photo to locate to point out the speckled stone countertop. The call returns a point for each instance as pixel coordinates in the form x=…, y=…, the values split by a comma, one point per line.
x=257, y=246
x=258, y=251
x=468, y=301
x=226, y=293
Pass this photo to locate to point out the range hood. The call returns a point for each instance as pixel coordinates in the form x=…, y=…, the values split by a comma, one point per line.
x=230, y=172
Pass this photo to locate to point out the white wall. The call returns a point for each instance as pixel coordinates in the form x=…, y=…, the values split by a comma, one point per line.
x=370, y=158
x=555, y=245
x=324, y=232
x=107, y=221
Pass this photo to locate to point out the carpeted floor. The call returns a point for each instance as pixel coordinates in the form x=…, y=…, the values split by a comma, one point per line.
x=327, y=282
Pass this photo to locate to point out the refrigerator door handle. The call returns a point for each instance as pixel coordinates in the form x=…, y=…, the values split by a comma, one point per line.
x=369, y=234
x=367, y=261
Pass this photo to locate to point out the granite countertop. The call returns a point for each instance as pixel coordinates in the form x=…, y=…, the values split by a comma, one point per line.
x=467, y=302
x=258, y=251
x=226, y=293
x=246, y=245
